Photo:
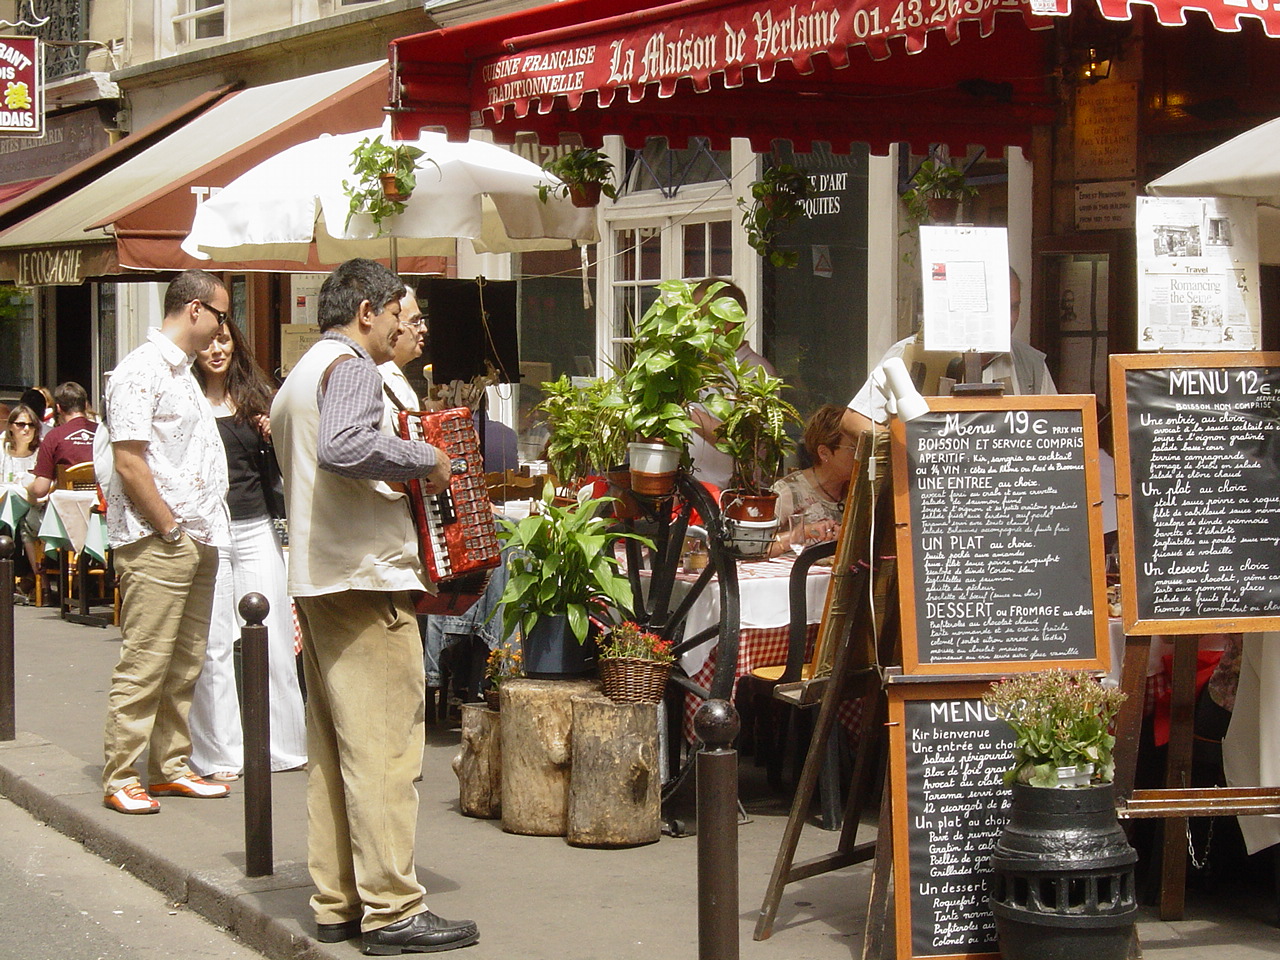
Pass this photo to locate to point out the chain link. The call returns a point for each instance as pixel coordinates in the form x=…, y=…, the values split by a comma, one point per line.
x=1199, y=864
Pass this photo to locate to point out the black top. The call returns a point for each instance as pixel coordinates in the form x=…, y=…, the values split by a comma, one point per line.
x=243, y=444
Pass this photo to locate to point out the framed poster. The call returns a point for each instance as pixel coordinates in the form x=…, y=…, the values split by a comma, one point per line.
x=1198, y=491
x=1000, y=556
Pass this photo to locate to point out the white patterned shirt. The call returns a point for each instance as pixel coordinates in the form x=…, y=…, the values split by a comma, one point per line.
x=152, y=397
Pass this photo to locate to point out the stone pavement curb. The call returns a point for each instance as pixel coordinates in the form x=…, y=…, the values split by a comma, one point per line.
x=50, y=784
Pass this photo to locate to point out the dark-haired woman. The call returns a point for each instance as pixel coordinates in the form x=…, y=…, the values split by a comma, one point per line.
x=241, y=399
x=17, y=463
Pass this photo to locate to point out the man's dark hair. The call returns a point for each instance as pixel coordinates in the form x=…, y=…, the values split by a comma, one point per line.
x=71, y=397
x=34, y=399
x=190, y=285
x=352, y=283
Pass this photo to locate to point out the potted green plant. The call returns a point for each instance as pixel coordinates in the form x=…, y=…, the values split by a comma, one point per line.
x=777, y=199
x=385, y=176
x=586, y=429
x=562, y=571
x=753, y=431
x=680, y=346
x=634, y=664
x=584, y=174
x=936, y=191
x=1062, y=868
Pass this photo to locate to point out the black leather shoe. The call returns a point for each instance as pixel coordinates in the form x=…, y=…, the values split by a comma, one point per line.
x=337, y=932
x=422, y=933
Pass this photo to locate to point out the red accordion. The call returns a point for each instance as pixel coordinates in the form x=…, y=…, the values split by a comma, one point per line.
x=456, y=532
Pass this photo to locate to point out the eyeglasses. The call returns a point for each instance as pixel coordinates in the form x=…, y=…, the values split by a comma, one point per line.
x=419, y=324
x=222, y=317
x=24, y=424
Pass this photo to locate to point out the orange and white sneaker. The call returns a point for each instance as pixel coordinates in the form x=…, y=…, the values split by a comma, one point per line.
x=195, y=787
x=131, y=798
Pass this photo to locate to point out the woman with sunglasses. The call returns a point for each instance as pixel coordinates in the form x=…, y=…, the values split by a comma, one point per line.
x=241, y=397
x=811, y=501
x=18, y=460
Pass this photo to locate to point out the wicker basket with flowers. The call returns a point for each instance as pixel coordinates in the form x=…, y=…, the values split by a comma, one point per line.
x=634, y=664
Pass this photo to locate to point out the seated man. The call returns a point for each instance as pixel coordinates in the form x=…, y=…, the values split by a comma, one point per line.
x=1023, y=367
x=67, y=444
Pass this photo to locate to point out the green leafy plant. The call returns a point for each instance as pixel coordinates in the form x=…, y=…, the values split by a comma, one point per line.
x=629, y=639
x=753, y=427
x=777, y=199
x=579, y=168
x=681, y=345
x=587, y=427
x=370, y=162
x=935, y=179
x=562, y=563
x=1060, y=719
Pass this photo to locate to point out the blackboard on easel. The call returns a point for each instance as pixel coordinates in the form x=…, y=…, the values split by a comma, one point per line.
x=1198, y=491
x=999, y=513
x=948, y=754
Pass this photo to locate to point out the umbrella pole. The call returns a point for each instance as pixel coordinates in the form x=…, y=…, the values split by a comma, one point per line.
x=395, y=256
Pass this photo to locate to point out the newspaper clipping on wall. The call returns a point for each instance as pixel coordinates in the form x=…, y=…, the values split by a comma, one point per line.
x=1198, y=274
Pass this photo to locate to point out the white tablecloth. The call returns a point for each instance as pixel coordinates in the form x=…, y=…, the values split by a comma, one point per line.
x=69, y=522
x=13, y=507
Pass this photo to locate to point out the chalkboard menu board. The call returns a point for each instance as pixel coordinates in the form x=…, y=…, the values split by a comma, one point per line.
x=949, y=754
x=1198, y=491
x=1000, y=536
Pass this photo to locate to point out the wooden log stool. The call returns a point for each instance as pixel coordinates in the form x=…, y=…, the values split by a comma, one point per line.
x=478, y=764
x=614, y=781
x=537, y=716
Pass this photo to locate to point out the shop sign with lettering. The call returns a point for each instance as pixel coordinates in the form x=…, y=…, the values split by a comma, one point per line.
x=58, y=266
x=21, y=87
x=728, y=40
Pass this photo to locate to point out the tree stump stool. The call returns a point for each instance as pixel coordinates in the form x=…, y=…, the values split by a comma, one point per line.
x=615, y=782
x=536, y=720
x=479, y=762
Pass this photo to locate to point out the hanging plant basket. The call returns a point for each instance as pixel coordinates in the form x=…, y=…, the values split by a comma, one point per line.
x=584, y=194
x=391, y=190
x=943, y=210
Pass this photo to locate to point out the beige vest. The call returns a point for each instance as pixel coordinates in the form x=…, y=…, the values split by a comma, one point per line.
x=344, y=534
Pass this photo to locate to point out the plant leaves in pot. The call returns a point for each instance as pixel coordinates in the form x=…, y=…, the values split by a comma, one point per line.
x=562, y=570
x=583, y=175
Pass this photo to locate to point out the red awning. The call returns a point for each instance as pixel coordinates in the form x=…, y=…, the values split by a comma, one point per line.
x=16, y=189
x=824, y=70
x=1225, y=14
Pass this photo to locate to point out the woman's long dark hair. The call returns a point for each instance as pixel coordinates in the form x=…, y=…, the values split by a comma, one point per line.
x=247, y=386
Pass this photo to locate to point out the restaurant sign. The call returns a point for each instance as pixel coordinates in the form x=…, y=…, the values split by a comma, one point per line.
x=1225, y=14
x=728, y=40
x=58, y=266
x=21, y=87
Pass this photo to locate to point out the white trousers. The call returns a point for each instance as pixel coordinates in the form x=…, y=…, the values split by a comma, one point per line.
x=254, y=562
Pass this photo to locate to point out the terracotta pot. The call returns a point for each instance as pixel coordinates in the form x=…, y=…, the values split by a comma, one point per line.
x=620, y=486
x=737, y=505
x=943, y=209
x=584, y=194
x=390, y=190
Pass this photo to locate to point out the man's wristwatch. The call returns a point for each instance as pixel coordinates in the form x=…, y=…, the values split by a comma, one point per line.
x=173, y=536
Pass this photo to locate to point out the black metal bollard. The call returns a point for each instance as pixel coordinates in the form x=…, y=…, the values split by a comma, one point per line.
x=255, y=715
x=8, y=713
x=716, y=724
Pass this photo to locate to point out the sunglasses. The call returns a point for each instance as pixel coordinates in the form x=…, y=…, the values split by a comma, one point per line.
x=24, y=424
x=222, y=317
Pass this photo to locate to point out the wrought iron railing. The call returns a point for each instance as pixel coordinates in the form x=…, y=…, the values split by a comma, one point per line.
x=67, y=24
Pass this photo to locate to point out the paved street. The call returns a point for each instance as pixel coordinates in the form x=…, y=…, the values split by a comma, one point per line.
x=61, y=901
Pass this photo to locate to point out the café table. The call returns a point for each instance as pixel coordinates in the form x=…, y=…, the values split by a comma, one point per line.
x=72, y=526
x=764, y=618
x=13, y=507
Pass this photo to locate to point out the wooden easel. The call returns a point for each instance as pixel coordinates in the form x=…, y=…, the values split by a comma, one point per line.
x=862, y=635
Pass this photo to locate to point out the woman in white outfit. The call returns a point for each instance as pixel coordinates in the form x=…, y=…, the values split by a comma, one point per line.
x=241, y=399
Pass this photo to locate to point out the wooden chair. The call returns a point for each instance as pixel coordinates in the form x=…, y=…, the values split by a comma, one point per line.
x=80, y=476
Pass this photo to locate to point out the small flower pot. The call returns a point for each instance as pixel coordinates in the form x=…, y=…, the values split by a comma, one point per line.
x=584, y=194
x=620, y=486
x=633, y=680
x=737, y=505
x=653, y=468
x=391, y=190
x=943, y=209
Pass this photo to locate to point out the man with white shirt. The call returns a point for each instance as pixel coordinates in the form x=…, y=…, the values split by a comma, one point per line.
x=406, y=349
x=1023, y=368
x=166, y=517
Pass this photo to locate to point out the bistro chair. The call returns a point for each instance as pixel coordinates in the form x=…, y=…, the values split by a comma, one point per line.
x=80, y=476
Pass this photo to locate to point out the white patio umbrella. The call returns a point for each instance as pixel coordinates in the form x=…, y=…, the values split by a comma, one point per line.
x=473, y=191
x=1245, y=166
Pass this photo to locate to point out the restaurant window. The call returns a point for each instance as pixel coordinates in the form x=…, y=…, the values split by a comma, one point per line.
x=199, y=20
x=657, y=166
x=17, y=338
